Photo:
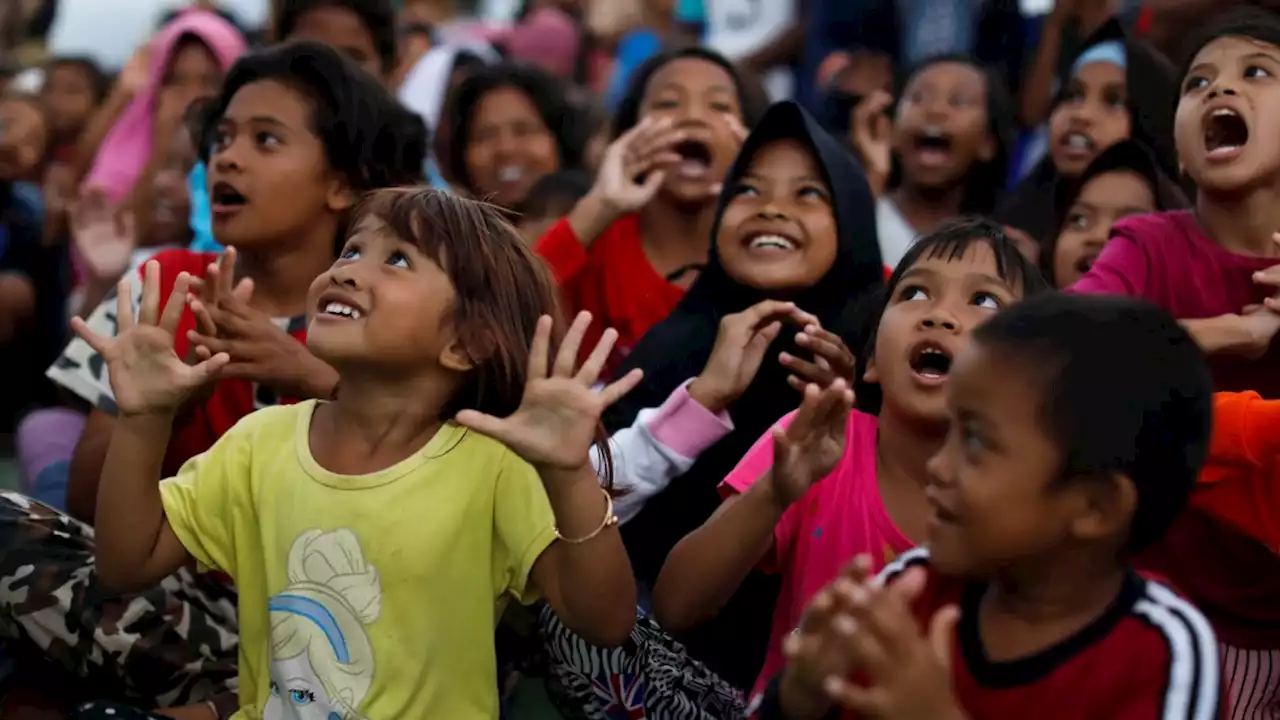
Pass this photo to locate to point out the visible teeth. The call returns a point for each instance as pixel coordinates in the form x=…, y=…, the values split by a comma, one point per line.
x=1079, y=141
x=932, y=132
x=341, y=309
x=772, y=241
x=510, y=173
x=1224, y=112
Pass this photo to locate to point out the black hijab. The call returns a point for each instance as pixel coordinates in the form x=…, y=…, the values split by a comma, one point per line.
x=1125, y=155
x=677, y=349
x=1152, y=93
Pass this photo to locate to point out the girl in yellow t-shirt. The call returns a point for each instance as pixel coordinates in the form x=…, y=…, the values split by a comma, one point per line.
x=372, y=536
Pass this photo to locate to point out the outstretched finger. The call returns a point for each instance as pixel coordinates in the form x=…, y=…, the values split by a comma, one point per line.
x=539, y=349
x=567, y=357
x=124, y=305
x=803, y=422
x=590, y=371
x=149, y=313
x=204, y=320
x=839, y=403
x=206, y=370
x=172, y=312
x=227, y=272
x=483, y=423
x=243, y=291
x=100, y=344
x=620, y=387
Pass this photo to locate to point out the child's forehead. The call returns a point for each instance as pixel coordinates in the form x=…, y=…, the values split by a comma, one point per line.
x=949, y=73
x=786, y=156
x=974, y=263
x=1233, y=46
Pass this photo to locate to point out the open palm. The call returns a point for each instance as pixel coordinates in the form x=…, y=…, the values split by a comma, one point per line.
x=104, y=237
x=559, y=414
x=809, y=448
x=147, y=376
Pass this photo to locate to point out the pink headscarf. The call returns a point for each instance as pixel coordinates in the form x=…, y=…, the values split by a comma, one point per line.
x=128, y=146
x=547, y=38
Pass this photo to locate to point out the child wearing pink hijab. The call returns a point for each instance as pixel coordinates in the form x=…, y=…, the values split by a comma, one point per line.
x=189, y=56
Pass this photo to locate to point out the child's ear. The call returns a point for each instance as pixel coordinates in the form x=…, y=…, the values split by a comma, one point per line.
x=1106, y=508
x=456, y=358
x=870, y=375
x=341, y=197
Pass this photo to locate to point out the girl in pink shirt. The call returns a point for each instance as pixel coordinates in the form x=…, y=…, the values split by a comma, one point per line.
x=828, y=483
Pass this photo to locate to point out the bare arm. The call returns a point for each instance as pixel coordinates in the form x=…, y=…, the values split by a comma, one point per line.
x=589, y=585
x=1037, y=90
x=95, y=131
x=86, y=465
x=1247, y=335
x=707, y=566
x=135, y=546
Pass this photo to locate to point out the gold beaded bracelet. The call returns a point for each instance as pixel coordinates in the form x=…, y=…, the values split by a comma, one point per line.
x=609, y=521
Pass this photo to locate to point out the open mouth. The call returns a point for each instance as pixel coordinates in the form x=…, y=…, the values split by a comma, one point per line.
x=931, y=361
x=223, y=196
x=510, y=174
x=331, y=305
x=695, y=158
x=1225, y=132
x=772, y=243
x=1085, y=263
x=1078, y=142
x=933, y=146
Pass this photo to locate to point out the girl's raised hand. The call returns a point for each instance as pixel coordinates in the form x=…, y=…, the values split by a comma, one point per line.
x=559, y=415
x=641, y=151
x=871, y=129
x=104, y=236
x=147, y=376
x=808, y=449
x=832, y=359
x=741, y=343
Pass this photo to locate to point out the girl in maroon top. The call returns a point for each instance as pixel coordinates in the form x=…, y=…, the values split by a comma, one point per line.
x=1217, y=269
x=631, y=247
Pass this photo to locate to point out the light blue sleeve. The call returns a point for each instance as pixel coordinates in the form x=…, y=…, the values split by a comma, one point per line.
x=690, y=12
x=201, y=213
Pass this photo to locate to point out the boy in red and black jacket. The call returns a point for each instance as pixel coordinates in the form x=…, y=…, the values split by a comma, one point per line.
x=1078, y=428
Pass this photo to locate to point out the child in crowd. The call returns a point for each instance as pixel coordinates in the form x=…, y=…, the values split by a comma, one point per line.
x=628, y=251
x=507, y=126
x=1117, y=88
x=781, y=189
x=813, y=492
x=1123, y=180
x=73, y=88
x=289, y=151
x=1214, y=268
x=945, y=153
x=186, y=61
x=1023, y=602
x=550, y=199
x=30, y=285
x=335, y=555
x=363, y=30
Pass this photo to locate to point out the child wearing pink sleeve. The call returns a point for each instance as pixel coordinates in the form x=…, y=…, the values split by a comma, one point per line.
x=827, y=483
x=840, y=517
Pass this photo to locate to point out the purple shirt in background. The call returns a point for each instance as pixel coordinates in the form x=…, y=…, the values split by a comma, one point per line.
x=1166, y=258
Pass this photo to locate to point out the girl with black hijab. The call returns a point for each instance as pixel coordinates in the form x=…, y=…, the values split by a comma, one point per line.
x=795, y=222
x=1124, y=180
x=1118, y=88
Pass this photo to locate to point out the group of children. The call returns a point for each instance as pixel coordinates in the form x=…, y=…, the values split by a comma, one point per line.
x=759, y=420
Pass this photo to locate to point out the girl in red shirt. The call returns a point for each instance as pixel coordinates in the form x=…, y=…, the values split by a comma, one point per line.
x=631, y=247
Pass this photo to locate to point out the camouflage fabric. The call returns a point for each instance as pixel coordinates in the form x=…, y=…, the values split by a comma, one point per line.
x=173, y=645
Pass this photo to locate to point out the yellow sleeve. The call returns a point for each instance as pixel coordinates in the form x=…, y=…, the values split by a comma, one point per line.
x=523, y=526
x=202, y=501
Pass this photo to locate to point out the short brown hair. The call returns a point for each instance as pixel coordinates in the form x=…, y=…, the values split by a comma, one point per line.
x=501, y=287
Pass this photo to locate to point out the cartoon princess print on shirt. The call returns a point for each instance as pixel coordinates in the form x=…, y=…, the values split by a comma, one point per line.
x=321, y=659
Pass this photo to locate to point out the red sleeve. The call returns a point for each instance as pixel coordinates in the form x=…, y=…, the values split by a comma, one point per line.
x=1240, y=482
x=1121, y=269
x=563, y=251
